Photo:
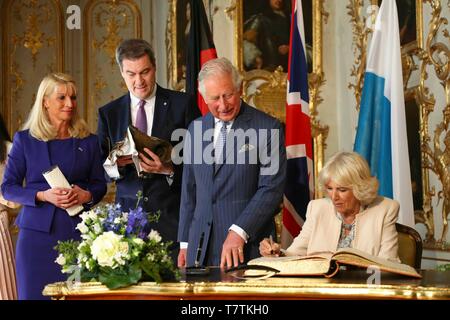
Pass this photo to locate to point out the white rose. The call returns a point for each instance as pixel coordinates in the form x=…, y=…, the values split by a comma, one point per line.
x=82, y=227
x=109, y=249
x=154, y=235
x=60, y=260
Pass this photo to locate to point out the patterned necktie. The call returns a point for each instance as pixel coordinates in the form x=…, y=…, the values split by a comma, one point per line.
x=220, y=144
x=141, y=117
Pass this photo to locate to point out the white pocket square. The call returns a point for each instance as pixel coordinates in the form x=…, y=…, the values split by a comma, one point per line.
x=246, y=147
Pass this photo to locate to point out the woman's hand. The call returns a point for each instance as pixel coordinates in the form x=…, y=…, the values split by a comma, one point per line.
x=268, y=248
x=83, y=196
x=64, y=197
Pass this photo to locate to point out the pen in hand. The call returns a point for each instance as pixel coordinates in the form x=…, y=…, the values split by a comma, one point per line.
x=271, y=245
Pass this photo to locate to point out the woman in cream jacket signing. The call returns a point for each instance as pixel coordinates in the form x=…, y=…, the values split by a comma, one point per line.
x=351, y=216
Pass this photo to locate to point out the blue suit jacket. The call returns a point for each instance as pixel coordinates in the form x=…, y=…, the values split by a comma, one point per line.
x=173, y=110
x=240, y=193
x=29, y=158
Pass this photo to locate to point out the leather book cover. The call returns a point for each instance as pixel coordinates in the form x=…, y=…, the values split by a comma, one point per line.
x=162, y=148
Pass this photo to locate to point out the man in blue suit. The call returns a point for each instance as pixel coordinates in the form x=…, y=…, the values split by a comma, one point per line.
x=160, y=111
x=233, y=177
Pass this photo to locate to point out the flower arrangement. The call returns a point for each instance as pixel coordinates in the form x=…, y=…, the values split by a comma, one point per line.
x=117, y=248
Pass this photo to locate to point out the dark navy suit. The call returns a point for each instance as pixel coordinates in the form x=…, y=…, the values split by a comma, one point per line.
x=42, y=224
x=234, y=193
x=173, y=110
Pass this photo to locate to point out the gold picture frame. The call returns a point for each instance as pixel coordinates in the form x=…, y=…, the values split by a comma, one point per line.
x=177, y=9
x=315, y=7
x=410, y=22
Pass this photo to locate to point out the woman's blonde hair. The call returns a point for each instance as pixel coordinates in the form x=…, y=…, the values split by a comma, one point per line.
x=349, y=169
x=38, y=121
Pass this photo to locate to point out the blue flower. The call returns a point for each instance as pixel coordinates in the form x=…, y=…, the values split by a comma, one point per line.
x=134, y=256
x=137, y=223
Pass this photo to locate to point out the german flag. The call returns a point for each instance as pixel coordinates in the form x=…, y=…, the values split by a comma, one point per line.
x=200, y=49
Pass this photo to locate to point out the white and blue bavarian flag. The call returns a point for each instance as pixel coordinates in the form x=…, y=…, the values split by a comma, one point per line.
x=381, y=134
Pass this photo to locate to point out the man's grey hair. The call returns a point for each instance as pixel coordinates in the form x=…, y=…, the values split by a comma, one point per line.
x=133, y=49
x=215, y=67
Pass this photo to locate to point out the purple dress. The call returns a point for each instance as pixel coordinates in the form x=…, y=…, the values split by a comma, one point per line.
x=42, y=224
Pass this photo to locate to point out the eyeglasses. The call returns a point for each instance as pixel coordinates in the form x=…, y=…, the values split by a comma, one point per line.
x=253, y=272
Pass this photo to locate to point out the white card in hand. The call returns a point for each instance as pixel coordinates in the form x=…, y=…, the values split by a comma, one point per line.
x=56, y=179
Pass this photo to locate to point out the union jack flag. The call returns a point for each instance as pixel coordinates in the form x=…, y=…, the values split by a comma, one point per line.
x=299, y=184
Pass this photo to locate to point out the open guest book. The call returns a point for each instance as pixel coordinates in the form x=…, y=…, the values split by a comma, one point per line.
x=327, y=264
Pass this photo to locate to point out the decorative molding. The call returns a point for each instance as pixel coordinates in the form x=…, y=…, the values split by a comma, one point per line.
x=360, y=37
x=32, y=45
x=106, y=24
x=230, y=11
x=171, y=45
x=435, y=158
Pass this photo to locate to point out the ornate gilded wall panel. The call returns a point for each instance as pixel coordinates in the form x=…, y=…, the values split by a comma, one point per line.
x=106, y=24
x=435, y=130
x=33, y=45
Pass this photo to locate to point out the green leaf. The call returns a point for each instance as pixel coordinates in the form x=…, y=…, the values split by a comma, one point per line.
x=119, y=278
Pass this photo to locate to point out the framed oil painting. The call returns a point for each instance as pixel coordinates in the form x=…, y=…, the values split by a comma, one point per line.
x=409, y=23
x=263, y=30
x=177, y=33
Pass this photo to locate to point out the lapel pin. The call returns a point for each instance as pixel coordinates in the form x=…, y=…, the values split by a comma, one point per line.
x=81, y=149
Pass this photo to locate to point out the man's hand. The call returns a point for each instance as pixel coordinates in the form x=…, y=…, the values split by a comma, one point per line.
x=182, y=258
x=124, y=160
x=155, y=165
x=232, y=250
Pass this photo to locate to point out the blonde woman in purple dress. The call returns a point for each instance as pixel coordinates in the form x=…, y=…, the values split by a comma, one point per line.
x=54, y=134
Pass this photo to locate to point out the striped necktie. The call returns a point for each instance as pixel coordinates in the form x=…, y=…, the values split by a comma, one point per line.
x=220, y=144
